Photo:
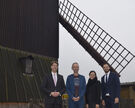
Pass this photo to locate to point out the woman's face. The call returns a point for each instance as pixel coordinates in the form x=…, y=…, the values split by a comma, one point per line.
x=92, y=75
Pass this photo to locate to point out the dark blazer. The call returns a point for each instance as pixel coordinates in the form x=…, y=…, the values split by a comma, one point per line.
x=48, y=86
x=93, y=93
x=71, y=90
x=112, y=86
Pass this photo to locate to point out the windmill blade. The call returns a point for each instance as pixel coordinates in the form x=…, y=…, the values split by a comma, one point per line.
x=95, y=40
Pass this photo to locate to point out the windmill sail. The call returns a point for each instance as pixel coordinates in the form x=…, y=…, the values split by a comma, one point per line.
x=95, y=40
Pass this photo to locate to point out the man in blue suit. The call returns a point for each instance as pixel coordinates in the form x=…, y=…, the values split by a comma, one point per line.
x=110, y=88
x=76, y=86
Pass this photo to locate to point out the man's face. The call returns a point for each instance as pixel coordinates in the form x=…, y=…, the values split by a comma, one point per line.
x=106, y=68
x=54, y=67
x=75, y=68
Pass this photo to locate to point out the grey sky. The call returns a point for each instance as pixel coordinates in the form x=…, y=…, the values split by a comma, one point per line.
x=114, y=16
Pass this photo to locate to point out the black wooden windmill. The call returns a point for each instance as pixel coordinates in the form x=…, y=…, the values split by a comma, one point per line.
x=96, y=41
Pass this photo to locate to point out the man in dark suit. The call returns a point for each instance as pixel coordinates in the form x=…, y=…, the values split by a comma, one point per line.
x=53, y=87
x=110, y=88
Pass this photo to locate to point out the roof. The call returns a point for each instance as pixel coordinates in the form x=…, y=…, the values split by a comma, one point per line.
x=128, y=84
x=14, y=85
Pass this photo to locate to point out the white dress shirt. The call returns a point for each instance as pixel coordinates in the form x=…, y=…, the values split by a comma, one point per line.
x=107, y=94
x=107, y=76
x=55, y=75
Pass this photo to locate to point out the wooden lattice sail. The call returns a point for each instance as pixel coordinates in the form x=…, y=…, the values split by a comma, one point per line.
x=95, y=40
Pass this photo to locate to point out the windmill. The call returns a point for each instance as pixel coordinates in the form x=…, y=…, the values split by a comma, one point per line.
x=95, y=40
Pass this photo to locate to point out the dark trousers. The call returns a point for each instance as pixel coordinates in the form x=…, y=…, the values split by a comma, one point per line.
x=53, y=105
x=92, y=105
x=109, y=103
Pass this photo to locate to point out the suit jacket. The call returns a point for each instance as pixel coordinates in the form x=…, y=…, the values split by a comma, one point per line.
x=71, y=90
x=112, y=86
x=48, y=86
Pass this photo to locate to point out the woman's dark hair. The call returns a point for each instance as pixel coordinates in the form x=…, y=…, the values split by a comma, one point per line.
x=94, y=72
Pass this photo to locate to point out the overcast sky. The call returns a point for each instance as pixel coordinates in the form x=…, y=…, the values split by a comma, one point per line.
x=117, y=17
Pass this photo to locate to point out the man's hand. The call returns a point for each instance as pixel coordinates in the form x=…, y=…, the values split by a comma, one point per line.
x=103, y=102
x=55, y=94
x=97, y=105
x=52, y=94
x=116, y=100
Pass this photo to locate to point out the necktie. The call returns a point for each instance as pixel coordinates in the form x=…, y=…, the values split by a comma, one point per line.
x=106, y=78
x=55, y=79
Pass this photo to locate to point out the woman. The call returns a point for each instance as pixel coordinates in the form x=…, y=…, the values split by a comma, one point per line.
x=93, y=91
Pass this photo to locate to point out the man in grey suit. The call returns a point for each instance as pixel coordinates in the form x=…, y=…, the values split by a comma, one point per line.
x=53, y=87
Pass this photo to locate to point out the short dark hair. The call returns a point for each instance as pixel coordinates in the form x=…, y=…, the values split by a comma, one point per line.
x=105, y=64
x=52, y=62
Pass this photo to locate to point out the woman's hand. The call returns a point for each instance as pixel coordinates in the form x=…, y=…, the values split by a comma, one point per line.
x=97, y=105
x=103, y=102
